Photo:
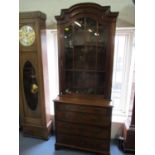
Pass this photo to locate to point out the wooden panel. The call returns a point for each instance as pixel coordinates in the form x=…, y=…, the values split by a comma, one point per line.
x=82, y=130
x=76, y=141
x=83, y=126
x=94, y=101
x=32, y=120
x=83, y=118
x=83, y=109
x=31, y=57
x=129, y=138
x=36, y=131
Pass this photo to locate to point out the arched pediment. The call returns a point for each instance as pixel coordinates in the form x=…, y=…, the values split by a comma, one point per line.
x=81, y=9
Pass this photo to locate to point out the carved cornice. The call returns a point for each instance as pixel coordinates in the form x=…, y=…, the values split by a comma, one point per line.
x=32, y=14
x=85, y=8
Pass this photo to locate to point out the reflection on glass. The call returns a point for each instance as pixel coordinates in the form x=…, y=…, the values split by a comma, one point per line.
x=30, y=85
x=85, y=52
x=101, y=58
x=69, y=81
x=100, y=78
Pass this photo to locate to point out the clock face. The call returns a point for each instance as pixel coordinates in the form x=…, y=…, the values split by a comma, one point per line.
x=26, y=35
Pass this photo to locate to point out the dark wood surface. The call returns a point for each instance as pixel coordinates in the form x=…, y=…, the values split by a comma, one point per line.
x=129, y=132
x=84, y=100
x=89, y=73
x=35, y=122
x=81, y=126
x=129, y=138
x=83, y=108
x=133, y=114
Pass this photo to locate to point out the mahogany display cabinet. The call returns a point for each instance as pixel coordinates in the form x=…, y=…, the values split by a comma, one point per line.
x=83, y=107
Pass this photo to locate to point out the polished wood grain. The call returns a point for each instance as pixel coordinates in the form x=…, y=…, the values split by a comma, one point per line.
x=81, y=126
x=83, y=108
x=84, y=100
x=104, y=17
x=129, y=132
x=91, y=131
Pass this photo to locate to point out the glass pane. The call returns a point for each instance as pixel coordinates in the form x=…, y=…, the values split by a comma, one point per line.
x=68, y=32
x=90, y=57
x=101, y=58
x=69, y=82
x=84, y=82
x=122, y=71
x=68, y=58
x=79, y=32
x=30, y=85
x=91, y=31
x=85, y=55
x=79, y=57
x=102, y=34
x=68, y=43
x=119, y=64
x=100, y=78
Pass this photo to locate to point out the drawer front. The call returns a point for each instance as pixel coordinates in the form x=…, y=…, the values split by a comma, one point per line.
x=106, y=111
x=83, y=142
x=83, y=118
x=82, y=130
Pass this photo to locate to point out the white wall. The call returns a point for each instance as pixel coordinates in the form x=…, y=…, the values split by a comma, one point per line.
x=52, y=8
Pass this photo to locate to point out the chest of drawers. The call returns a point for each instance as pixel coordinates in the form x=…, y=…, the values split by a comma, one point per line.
x=83, y=124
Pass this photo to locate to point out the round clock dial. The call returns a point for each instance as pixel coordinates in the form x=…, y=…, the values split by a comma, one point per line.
x=26, y=35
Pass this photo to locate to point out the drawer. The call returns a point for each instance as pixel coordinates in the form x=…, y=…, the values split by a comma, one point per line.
x=83, y=108
x=82, y=130
x=83, y=118
x=83, y=142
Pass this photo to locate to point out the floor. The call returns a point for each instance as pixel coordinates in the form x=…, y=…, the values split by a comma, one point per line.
x=33, y=146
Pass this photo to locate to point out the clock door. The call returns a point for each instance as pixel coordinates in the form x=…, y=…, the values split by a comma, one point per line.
x=30, y=85
x=30, y=89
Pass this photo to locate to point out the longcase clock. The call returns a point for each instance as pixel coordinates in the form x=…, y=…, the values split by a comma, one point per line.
x=34, y=92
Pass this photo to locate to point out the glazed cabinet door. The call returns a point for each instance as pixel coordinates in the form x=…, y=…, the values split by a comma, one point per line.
x=85, y=48
x=85, y=54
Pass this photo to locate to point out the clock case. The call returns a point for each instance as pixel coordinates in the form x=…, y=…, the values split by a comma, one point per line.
x=35, y=117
